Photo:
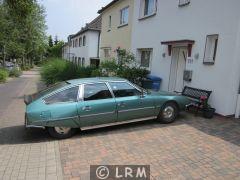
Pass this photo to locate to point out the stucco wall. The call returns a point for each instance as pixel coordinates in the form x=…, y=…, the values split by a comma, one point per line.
x=117, y=36
x=195, y=22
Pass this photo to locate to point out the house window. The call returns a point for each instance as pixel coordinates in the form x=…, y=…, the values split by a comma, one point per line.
x=73, y=42
x=83, y=62
x=106, y=53
x=183, y=3
x=79, y=42
x=145, y=57
x=79, y=61
x=124, y=16
x=75, y=62
x=149, y=7
x=210, y=49
x=110, y=22
x=84, y=40
x=76, y=42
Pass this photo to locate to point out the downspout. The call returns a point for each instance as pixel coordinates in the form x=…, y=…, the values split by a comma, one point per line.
x=98, y=48
x=237, y=57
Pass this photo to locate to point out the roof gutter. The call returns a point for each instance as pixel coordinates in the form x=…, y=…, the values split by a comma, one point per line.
x=107, y=6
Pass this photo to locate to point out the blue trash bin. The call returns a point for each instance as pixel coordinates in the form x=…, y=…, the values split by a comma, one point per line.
x=156, y=82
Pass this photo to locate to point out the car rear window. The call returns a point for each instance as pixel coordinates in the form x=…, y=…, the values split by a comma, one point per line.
x=67, y=95
x=51, y=89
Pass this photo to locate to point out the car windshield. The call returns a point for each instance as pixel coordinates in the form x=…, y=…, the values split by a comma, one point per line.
x=50, y=89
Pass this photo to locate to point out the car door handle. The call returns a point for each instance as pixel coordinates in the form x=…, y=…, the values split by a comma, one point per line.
x=121, y=104
x=86, y=108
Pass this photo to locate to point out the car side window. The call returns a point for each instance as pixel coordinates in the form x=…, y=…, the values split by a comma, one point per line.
x=68, y=95
x=96, y=92
x=123, y=89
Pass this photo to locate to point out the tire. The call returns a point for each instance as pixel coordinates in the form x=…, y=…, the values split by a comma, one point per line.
x=168, y=113
x=61, y=132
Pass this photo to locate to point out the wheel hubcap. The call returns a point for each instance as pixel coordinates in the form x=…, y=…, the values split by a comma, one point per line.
x=62, y=130
x=168, y=112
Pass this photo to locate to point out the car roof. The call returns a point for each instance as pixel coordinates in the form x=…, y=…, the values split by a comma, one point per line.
x=94, y=80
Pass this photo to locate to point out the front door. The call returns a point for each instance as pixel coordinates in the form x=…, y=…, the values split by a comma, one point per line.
x=130, y=104
x=178, y=65
x=97, y=106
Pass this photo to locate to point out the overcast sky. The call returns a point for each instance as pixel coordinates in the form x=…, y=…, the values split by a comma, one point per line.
x=66, y=17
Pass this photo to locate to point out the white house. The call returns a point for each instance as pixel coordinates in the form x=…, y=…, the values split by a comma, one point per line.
x=191, y=42
x=84, y=45
x=65, y=51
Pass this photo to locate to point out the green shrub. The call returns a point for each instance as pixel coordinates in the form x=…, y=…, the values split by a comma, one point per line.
x=127, y=67
x=56, y=70
x=3, y=75
x=85, y=72
x=15, y=72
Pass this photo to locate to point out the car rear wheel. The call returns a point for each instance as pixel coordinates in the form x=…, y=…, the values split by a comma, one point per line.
x=61, y=132
x=168, y=113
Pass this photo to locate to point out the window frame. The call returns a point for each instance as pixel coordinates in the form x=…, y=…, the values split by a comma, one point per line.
x=104, y=52
x=83, y=62
x=142, y=9
x=61, y=90
x=79, y=41
x=84, y=41
x=76, y=42
x=79, y=61
x=107, y=85
x=127, y=82
x=140, y=50
x=109, y=22
x=122, y=17
x=214, y=51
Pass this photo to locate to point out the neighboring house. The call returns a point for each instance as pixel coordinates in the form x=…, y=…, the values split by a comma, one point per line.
x=65, y=51
x=116, y=27
x=84, y=45
x=188, y=43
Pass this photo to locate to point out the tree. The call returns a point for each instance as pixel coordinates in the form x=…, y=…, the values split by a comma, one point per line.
x=50, y=41
x=56, y=50
x=56, y=40
x=23, y=28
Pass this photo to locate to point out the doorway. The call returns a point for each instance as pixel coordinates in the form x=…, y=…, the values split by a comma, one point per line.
x=178, y=65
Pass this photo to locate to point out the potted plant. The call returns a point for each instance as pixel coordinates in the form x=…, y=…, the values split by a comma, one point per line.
x=208, y=111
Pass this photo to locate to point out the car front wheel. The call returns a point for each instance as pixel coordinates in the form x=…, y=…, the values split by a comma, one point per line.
x=61, y=132
x=168, y=113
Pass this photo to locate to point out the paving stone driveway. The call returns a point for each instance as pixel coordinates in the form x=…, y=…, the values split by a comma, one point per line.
x=191, y=148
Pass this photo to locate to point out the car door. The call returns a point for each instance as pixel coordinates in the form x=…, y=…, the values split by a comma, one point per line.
x=61, y=108
x=98, y=106
x=131, y=104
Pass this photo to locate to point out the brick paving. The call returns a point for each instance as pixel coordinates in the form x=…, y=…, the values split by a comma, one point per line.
x=190, y=148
